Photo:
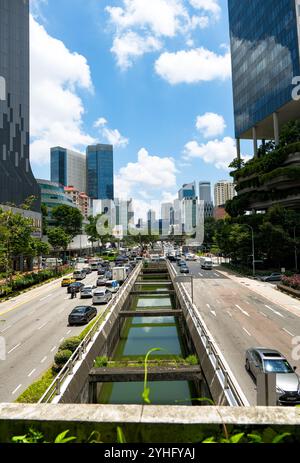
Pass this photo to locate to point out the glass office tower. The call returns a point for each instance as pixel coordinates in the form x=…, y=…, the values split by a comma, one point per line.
x=16, y=179
x=188, y=191
x=100, y=171
x=265, y=57
x=68, y=168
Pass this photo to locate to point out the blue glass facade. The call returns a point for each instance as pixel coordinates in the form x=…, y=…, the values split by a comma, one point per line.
x=188, y=191
x=100, y=172
x=265, y=58
x=59, y=166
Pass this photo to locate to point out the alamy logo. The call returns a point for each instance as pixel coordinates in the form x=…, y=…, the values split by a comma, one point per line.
x=2, y=89
x=296, y=89
x=2, y=349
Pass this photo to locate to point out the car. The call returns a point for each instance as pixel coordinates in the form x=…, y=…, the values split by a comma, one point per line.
x=264, y=360
x=87, y=291
x=181, y=262
x=101, y=271
x=276, y=276
x=67, y=281
x=82, y=314
x=101, y=296
x=77, y=285
x=184, y=269
x=87, y=270
x=101, y=282
x=79, y=274
x=112, y=285
x=191, y=257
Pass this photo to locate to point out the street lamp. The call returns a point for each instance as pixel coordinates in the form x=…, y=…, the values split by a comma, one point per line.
x=253, y=248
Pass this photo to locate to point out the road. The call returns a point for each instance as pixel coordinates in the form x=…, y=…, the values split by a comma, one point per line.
x=33, y=325
x=239, y=318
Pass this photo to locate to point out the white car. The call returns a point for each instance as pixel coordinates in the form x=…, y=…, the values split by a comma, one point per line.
x=87, y=291
x=101, y=296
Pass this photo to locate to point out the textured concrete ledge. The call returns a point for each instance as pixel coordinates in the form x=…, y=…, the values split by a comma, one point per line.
x=149, y=424
x=155, y=414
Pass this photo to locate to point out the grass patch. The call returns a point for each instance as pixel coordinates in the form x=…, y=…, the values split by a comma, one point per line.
x=35, y=391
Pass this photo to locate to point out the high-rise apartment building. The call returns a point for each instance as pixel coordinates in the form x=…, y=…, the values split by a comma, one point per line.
x=166, y=211
x=80, y=199
x=68, y=168
x=265, y=58
x=205, y=196
x=224, y=191
x=100, y=171
x=17, y=182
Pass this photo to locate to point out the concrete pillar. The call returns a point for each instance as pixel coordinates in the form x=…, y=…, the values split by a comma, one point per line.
x=254, y=135
x=276, y=128
x=238, y=148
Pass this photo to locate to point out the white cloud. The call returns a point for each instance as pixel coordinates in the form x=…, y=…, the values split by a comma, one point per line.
x=112, y=136
x=212, y=6
x=56, y=108
x=193, y=66
x=210, y=125
x=142, y=25
x=148, y=174
x=129, y=46
x=218, y=152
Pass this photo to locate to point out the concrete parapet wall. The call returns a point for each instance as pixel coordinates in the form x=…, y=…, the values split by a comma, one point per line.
x=150, y=424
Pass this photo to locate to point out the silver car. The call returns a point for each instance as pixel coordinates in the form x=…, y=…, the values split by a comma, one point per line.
x=262, y=360
x=87, y=291
x=101, y=296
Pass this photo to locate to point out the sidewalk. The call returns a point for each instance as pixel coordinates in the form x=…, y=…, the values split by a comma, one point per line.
x=266, y=290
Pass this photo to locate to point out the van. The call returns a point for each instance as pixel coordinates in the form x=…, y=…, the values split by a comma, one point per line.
x=79, y=274
x=206, y=263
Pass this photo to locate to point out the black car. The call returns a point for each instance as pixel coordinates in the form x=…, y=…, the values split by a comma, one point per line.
x=184, y=269
x=82, y=314
x=77, y=285
x=101, y=271
x=87, y=270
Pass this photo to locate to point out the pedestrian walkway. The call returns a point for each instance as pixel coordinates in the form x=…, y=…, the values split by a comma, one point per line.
x=267, y=290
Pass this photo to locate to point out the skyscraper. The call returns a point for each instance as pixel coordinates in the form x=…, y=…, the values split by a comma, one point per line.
x=100, y=172
x=68, y=168
x=224, y=191
x=265, y=59
x=188, y=191
x=16, y=179
x=205, y=196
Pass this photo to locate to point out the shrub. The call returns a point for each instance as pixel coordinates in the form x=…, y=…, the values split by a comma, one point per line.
x=100, y=362
x=35, y=391
x=62, y=357
x=70, y=344
x=192, y=360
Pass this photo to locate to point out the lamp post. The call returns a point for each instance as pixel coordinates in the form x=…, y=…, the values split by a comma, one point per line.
x=253, y=248
x=296, y=254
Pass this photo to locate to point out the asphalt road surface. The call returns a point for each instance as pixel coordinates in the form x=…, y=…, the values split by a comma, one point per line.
x=239, y=318
x=33, y=325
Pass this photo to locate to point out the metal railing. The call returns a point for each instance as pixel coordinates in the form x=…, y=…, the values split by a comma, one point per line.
x=233, y=392
x=119, y=298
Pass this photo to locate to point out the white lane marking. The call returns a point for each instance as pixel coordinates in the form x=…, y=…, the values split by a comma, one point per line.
x=42, y=326
x=207, y=305
x=14, y=348
x=201, y=274
x=31, y=373
x=43, y=360
x=13, y=392
x=274, y=311
x=219, y=302
x=247, y=302
x=214, y=313
x=230, y=315
x=246, y=331
x=65, y=298
x=5, y=329
x=216, y=274
x=288, y=332
x=264, y=314
x=68, y=332
x=61, y=340
x=53, y=348
x=46, y=297
x=243, y=311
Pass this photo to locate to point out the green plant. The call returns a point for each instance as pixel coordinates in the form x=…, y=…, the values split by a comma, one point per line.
x=146, y=391
x=61, y=358
x=70, y=344
x=100, y=362
x=35, y=391
x=192, y=360
x=62, y=439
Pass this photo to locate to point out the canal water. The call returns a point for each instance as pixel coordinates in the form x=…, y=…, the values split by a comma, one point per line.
x=138, y=336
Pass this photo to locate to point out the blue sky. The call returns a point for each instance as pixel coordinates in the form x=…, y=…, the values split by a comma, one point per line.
x=153, y=77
